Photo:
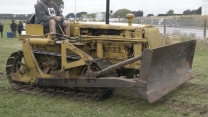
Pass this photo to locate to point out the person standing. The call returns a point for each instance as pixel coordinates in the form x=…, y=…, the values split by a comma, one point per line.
x=24, y=25
x=13, y=27
x=1, y=29
x=20, y=27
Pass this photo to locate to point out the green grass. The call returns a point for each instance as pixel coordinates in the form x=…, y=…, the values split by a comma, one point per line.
x=188, y=100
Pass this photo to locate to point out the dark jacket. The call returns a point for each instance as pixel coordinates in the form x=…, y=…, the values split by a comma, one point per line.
x=45, y=11
x=13, y=26
x=1, y=28
x=20, y=26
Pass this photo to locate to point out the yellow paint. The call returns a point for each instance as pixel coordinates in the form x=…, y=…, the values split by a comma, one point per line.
x=65, y=45
x=99, y=49
x=34, y=29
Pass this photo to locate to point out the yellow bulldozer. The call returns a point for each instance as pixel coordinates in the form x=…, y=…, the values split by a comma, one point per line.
x=99, y=57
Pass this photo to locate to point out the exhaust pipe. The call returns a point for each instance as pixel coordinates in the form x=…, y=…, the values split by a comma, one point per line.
x=107, y=11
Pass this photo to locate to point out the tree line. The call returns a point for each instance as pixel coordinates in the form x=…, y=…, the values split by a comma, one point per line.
x=186, y=12
x=118, y=14
x=122, y=12
x=191, y=12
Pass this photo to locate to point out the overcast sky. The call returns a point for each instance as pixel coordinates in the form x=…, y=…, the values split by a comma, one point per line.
x=150, y=6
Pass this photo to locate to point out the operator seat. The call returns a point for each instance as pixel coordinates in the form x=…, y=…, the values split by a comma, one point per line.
x=31, y=19
x=32, y=28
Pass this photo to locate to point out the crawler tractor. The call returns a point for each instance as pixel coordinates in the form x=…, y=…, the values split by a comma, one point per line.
x=99, y=57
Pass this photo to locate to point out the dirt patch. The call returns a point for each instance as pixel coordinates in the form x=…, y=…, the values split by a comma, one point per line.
x=4, y=89
x=188, y=107
x=202, y=75
x=201, y=89
x=1, y=75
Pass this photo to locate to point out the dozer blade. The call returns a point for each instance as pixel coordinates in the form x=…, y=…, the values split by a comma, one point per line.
x=164, y=69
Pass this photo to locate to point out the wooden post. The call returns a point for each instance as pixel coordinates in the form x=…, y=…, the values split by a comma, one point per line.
x=164, y=26
x=152, y=23
x=205, y=27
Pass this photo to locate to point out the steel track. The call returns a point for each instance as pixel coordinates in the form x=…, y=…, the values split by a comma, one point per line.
x=77, y=93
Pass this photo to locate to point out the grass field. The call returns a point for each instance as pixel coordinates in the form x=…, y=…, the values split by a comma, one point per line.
x=191, y=99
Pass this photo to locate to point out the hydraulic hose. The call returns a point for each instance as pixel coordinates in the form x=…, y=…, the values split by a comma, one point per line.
x=70, y=38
